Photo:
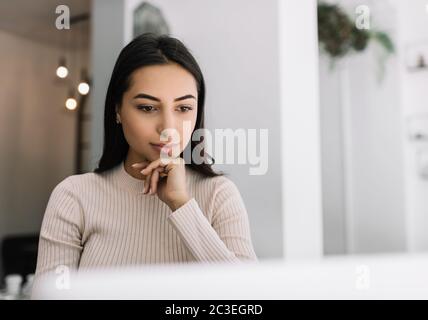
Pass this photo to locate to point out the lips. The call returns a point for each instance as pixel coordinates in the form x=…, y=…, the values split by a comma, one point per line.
x=160, y=145
x=165, y=147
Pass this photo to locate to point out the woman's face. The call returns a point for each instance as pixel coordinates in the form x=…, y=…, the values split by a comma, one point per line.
x=159, y=98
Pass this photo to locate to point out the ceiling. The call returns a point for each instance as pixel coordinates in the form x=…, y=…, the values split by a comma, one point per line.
x=35, y=20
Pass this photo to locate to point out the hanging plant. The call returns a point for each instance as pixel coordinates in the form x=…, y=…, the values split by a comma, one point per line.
x=338, y=35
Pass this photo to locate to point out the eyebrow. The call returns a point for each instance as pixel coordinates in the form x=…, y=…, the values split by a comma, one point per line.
x=147, y=96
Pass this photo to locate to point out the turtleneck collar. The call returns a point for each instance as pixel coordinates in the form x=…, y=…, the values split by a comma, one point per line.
x=126, y=181
x=134, y=185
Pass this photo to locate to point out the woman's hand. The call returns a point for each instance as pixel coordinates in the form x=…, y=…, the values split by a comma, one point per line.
x=167, y=180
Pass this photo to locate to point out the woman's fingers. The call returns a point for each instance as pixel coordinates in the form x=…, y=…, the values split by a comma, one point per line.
x=146, y=172
x=154, y=181
x=151, y=166
x=147, y=183
x=162, y=172
x=152, y=173
x=140, y=165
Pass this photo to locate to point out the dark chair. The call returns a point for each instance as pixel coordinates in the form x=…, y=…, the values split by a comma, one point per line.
x=19, y=254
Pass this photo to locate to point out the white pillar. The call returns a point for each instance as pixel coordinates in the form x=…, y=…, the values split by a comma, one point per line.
x=300, y=120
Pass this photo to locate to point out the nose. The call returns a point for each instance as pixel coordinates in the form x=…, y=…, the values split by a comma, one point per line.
x=166, y=125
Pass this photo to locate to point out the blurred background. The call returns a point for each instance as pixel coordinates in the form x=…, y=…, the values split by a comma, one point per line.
x=341, y=86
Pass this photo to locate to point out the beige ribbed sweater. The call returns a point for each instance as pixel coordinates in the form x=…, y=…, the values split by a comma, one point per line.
x=105, y=220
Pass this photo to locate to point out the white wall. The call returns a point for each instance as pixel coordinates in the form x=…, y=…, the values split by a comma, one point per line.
x=412, y=21
x=363, y=169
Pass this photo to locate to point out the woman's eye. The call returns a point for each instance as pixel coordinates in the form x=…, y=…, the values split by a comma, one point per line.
x=185, y=108
x=146, y=108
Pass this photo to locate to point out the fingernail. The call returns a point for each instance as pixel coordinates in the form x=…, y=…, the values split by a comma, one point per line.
x=134, y=165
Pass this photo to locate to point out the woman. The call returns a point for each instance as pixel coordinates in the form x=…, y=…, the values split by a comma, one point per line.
x=137, y=207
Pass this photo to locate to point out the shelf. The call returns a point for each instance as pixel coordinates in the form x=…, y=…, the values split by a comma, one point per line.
x=417, y=69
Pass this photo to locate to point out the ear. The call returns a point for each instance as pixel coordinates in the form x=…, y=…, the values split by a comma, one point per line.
x=117, y=114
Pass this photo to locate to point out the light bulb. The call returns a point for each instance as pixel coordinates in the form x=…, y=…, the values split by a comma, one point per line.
x=71, y=104
x=62, y=72
x=83, y=88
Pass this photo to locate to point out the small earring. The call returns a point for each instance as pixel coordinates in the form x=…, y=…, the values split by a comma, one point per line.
x=117, y=119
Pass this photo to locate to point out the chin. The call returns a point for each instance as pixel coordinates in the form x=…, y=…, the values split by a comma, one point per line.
x=145, y=155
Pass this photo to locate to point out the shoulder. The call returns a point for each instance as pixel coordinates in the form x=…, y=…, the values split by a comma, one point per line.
x=70, y=196
x=215, y=195
x=79, y=183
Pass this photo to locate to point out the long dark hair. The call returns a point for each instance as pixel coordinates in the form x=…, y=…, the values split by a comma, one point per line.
x=145, y=50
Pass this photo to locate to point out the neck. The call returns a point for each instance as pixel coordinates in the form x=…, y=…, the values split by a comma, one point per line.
x=132, y=158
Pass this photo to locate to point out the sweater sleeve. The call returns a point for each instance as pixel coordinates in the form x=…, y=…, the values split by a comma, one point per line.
x=227, y=237
x=61, y=231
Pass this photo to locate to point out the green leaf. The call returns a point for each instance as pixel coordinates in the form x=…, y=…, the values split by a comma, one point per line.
x=384, y=40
